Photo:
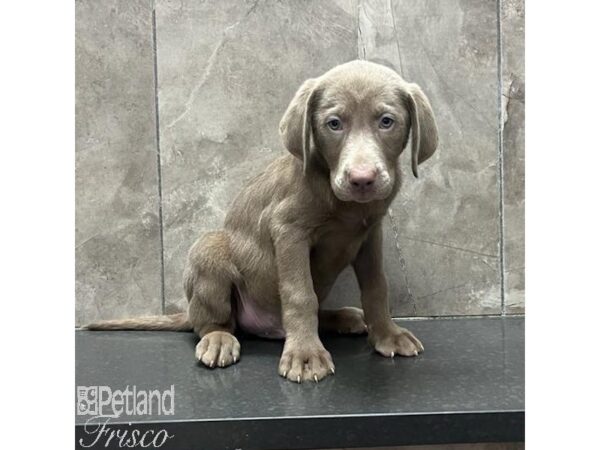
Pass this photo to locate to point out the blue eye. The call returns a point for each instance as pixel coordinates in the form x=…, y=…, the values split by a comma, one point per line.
x=386, y=122
x=335, y=124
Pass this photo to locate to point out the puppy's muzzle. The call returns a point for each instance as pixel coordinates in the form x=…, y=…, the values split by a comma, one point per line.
x=361, y=183
x=362, y=180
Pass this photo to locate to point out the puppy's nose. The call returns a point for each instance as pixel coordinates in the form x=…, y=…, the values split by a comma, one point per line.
x=362, y=177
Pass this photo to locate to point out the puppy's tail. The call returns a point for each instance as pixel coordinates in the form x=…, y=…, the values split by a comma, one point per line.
x=172, y=322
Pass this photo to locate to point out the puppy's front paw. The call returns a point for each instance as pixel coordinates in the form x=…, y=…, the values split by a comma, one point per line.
x=305, y=362
x=396, y=341
x=218, y=348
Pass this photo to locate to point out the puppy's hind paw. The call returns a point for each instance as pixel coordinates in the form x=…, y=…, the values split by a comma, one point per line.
x=397, y=341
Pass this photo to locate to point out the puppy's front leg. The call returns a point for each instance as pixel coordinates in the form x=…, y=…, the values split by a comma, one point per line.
x=303, y=357
x=388, y=338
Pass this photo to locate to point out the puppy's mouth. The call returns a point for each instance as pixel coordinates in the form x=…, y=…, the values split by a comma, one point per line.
x=364, y=192
x=349, y=194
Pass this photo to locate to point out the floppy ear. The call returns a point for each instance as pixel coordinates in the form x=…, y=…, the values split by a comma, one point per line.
x=295, y=127
x=423, y=127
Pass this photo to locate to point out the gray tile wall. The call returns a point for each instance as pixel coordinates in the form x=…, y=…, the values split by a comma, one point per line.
x=118, y=250
x=149, y=180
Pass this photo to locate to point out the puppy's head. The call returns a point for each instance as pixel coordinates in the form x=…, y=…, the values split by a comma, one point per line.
x=355, y=121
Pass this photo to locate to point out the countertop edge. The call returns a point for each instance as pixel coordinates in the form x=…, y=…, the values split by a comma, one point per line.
x=328, y=431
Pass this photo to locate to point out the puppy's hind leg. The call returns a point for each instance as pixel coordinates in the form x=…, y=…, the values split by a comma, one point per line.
x=347, y=320
x=208, y=282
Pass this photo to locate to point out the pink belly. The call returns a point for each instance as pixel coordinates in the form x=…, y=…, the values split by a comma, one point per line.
x=254, y=320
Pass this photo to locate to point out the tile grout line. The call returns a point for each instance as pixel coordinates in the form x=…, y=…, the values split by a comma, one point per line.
x=360, y=44
x=500, y=156
x=400, y=63
x=158, y=165
x=402, y=261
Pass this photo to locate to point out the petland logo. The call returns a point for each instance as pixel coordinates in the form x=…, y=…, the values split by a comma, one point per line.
x=102, y=404
x=103, y=401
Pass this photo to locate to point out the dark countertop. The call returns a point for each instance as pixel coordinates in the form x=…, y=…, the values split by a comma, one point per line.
x=468, y=386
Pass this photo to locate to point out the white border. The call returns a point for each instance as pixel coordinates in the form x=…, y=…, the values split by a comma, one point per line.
x=562, y=225
x=563, y=229
x=37, y=226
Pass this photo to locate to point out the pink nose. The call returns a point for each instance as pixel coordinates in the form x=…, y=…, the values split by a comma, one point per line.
x=362, y=178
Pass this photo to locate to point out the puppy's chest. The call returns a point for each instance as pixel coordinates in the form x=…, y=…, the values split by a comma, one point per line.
x=352, y=225
x=340, y=238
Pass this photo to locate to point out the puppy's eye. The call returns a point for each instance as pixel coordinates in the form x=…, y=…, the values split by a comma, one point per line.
x=386, y=122
x=334, y=124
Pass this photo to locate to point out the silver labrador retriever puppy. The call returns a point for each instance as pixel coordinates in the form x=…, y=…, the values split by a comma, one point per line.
x=295, y=227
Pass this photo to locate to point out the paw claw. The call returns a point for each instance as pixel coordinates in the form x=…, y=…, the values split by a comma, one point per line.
x=396, y=341
x=306, y=363
x=216, y=349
